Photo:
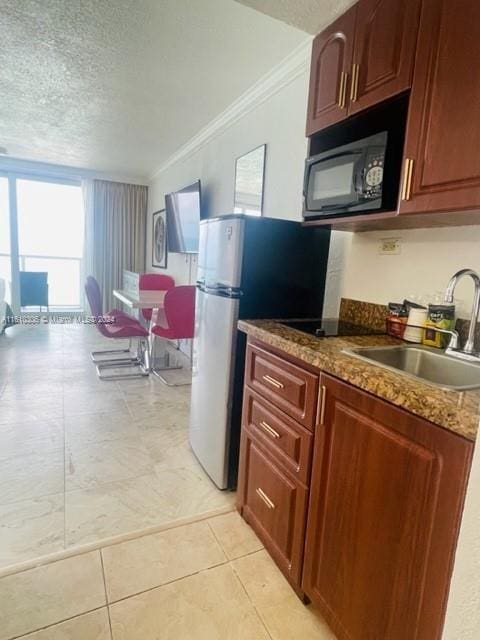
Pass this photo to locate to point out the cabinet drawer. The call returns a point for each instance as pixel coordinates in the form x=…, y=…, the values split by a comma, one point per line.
x=290, y=443
x=287, y=386
x=275, y=506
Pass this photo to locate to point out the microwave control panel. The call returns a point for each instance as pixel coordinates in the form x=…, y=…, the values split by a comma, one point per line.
x=373, y=173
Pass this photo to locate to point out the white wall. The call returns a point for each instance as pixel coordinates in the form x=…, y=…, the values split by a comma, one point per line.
x=428, y=258
x=280, y=123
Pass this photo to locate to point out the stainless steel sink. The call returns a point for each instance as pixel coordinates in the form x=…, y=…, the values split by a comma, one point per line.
x=426, y=364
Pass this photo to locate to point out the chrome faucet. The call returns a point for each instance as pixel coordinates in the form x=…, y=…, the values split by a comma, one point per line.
x=468, y=352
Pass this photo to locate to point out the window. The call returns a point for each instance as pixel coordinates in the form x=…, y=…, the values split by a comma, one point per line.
x=50, y=237
x=5, y=267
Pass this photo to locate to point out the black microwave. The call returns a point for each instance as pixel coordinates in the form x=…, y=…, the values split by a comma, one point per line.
x=349, y=179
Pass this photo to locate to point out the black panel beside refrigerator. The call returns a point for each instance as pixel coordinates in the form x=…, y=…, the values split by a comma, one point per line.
x=283, y=276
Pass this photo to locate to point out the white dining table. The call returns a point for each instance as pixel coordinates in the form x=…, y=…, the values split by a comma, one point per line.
x=144, y=299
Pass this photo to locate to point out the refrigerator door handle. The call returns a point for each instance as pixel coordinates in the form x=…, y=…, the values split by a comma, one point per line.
x=222, y=290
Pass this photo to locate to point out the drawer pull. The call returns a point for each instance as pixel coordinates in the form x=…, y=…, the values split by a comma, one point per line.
x=273, y=382
x=265, y=498
x=266, y=427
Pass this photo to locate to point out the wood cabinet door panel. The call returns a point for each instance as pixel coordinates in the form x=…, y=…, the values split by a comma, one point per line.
x=290, y=443
x=385, y=44
x=383, y=517
x=443, y=136
x=291, y=388
x=274, y=505
x=331, y=56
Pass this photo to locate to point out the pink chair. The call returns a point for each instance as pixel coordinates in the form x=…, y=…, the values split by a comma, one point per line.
x=122, y=327
x=154, y=282
x=177, y=322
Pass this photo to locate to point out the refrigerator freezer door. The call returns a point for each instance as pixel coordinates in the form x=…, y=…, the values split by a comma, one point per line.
x=212, y=383
x=224, y=249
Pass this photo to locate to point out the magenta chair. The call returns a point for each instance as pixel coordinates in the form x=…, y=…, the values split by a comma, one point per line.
x=121, y=327
x=154, y=282
x=176, y=323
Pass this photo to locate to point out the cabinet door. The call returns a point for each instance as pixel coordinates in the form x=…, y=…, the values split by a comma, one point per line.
x=443, y=136
x=329, y=81
x=274, y=505
x=384, y=53
x=387, y=493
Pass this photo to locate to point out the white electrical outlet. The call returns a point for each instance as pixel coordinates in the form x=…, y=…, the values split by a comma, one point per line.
x=390, y=246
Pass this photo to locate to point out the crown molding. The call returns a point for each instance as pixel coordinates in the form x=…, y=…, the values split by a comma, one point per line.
x=296, y=63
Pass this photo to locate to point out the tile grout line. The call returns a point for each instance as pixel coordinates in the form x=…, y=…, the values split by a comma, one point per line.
x=188, y=575
x=217, y=540
x=96, y=545
x=165, y=584
x=54, y=624
x=107, y=603
x=257, y=612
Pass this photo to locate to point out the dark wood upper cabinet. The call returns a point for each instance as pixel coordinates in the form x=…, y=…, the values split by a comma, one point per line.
x=384, y=53
x=329, y=73
x=364, y=57
x=385, y=506
x=442, y=146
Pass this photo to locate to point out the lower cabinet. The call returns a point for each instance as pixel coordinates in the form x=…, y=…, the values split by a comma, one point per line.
x=366, y=524
x=383, y=517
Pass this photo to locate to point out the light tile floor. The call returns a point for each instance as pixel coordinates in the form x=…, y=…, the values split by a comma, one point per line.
x=209, y=580
x=81, y=459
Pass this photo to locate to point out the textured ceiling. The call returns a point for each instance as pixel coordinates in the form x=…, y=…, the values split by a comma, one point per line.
x=119, y=85
x=309, y=15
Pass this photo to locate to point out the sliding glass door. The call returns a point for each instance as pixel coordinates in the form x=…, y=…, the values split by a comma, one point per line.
x=5, y=254
x=48, y=218
x=50, y=237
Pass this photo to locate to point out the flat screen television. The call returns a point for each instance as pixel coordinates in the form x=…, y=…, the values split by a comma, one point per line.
x=183, y=219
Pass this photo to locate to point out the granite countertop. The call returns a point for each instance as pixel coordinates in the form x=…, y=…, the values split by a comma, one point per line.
x=457, y=411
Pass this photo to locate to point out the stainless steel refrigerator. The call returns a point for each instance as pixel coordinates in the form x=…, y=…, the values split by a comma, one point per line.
x=249, y=268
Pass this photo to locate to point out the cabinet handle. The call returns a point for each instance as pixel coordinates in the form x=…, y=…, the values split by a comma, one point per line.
x=342, y=93
x=321, y=407
x=265, y=498
x=407, y=179
x=354, y=85
x=273, y=382
x=266, y=427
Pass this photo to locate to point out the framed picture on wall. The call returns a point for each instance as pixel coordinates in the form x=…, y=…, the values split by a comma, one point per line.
x=159, y=239
x=249, y=179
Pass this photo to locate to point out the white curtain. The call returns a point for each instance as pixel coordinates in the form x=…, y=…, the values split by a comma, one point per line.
x=115, y=224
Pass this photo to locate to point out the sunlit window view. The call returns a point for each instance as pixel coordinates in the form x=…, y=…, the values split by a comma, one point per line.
x=5, y=272
x=50, y=239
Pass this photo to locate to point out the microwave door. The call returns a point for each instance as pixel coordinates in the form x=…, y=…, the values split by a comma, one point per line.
x=333, y=182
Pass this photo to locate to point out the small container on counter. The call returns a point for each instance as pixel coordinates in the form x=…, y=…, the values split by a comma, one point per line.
x=396, y=319
x=417, y=319
x=443, y=317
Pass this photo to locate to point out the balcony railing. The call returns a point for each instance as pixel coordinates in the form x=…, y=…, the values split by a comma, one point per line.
x=64, y=277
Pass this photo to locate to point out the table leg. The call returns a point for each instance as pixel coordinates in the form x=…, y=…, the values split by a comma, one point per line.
x=151, y=339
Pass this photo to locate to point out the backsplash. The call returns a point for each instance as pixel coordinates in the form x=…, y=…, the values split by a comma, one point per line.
x=367, y=314
x=372, y=315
